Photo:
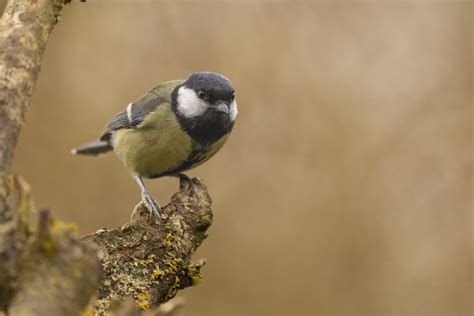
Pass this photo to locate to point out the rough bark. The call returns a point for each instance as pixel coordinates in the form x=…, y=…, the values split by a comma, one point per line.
x=55, y=273
x=149, y=259
x=59, y=273
x=24, y=29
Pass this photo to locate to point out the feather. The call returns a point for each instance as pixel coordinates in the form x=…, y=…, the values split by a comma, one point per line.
x=135, y=113
x=93, y=148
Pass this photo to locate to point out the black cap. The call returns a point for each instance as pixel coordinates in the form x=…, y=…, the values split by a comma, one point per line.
x=213, y=86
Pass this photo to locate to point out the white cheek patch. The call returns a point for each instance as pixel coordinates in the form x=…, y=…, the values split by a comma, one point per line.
x=233, y=111
x=189, y=105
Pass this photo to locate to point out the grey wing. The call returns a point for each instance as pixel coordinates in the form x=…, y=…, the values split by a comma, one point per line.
x=130, y=117
x=136, y=112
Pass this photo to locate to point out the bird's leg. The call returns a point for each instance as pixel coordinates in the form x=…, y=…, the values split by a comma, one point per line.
x=150, y=203
x=184, y=181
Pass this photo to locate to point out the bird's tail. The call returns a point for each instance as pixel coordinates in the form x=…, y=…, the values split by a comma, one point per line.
x=93, y=148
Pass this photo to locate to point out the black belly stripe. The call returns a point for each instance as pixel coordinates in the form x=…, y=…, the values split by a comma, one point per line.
x=197, y=155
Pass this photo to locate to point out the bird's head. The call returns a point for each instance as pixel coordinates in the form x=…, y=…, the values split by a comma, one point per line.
x=205, y=105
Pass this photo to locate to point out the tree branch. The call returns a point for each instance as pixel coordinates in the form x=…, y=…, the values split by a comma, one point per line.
x=149, y=259
x=58, y=274
x=24, y=29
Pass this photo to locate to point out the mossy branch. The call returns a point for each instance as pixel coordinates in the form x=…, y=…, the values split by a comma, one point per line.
x=147, y=260
x=58, y=273
x=150, y=259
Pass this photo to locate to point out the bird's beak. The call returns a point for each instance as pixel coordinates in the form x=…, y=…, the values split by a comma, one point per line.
x=222, y=107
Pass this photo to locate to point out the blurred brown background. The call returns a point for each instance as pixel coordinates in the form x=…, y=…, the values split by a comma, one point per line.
x=346, y=187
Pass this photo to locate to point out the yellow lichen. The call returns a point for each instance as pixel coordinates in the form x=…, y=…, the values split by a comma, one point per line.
x=142, y=300
x=169, y=240
x=156, y=273
x=193, y=274
x=143, y=304
x=196, y=279
x=143, y=296
x=173, y=265
x=64, y=226
x=150, y=260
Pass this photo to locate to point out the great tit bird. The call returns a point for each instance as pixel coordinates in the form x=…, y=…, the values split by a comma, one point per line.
x=176, y=126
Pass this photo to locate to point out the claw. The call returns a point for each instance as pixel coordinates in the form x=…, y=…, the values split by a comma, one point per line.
x=151, y=204
x=184, y=181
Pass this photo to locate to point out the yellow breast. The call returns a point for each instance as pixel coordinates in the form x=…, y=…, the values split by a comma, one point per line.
x=158, y=145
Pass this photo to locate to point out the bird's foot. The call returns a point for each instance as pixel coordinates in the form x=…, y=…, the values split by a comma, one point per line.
x=184, y=181
x=151, y=204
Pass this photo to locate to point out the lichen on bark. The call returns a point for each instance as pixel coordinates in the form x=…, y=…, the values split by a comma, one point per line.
x=150, y=258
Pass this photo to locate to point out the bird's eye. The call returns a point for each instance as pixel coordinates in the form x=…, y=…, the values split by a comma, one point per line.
x=202, y=94
x=232, y=97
